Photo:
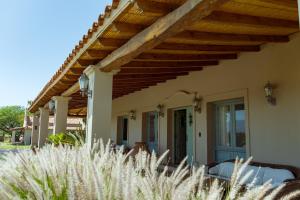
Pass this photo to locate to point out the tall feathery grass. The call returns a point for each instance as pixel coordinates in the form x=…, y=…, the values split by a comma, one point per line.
x=65, y=172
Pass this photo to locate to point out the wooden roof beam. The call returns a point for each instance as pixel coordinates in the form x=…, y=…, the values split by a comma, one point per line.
x=188, y=13
x=97, y=53
x=191, y=47
x=129, y=90
x=153, y=8
x=141, y=80
x=184, y=57
x=76, y=71
x=110, y=42
x=137, y=76
x=136, y=64
x=138, y=82
x=225, y=17
x=70, y=77
x=87, y=62
x=193, y=36
x=177, y=48
x=126, y=28
x=116, y=87
x=66, y=82
x=159, y=70
x=289, y=4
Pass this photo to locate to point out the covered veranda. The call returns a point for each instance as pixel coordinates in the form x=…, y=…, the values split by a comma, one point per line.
x=138, y=46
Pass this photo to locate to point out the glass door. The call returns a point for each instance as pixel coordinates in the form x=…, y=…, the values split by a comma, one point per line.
x=230, y=130
x=125, y=130
x=183, y=135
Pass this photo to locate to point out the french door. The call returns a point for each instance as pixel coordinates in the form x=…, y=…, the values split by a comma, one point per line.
x=152, y=131
x=230, y=133
x=122, y=132
x=183, y=134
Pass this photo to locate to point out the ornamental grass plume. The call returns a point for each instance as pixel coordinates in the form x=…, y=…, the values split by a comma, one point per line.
x=77, y=172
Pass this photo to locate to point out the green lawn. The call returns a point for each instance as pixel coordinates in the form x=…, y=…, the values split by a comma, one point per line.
x=8, y=146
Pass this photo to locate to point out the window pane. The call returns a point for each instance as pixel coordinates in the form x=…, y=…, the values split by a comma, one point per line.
x=125, y=129
x=224, y=119
x=240, y=138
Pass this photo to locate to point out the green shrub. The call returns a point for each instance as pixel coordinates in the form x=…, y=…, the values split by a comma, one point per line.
x=72, y=139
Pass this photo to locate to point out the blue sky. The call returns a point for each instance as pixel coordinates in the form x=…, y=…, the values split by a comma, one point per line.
x=35, y=38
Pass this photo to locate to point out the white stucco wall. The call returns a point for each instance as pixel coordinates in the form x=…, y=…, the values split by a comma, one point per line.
x=274, y=131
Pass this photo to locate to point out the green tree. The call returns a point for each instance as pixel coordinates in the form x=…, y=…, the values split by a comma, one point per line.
x=11, y=117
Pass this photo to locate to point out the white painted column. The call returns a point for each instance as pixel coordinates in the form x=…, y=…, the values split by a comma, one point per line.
x=35, y=130
x=61, y=114
x=13, y=137
x=98, y=121
x=43, y=129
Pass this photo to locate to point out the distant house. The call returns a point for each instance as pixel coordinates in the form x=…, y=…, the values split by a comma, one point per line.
x=26, y=130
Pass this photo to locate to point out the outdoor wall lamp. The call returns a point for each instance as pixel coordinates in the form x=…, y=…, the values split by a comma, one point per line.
x=160, y=109
x=84, y=86
x=197, y=103
x=51, y=105
x=132, y=114
x=269, y=93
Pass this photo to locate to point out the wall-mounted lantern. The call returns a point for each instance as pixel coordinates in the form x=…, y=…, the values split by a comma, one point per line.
x=84, y=86
x=132, y=115
x=51, y=105
x=197, y=103
x=269, y=93
x=160, y=109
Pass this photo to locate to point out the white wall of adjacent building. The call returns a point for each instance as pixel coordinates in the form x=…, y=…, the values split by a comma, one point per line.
x=273, y=131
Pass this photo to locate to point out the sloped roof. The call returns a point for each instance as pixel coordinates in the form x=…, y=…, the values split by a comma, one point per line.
x=236, y=26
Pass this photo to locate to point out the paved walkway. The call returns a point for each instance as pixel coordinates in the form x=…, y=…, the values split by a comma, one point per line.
x=2, y=151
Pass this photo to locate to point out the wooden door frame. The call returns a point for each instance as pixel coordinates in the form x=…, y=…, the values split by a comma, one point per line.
x=170, y=131
x=209, y=101
x=120, y=129
x=145, y=128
